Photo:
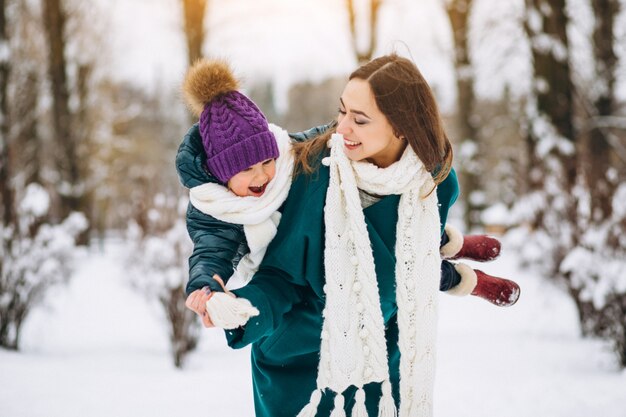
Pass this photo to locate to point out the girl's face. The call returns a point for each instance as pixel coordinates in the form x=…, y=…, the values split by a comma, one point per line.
x=252, y=182
x=366, y=131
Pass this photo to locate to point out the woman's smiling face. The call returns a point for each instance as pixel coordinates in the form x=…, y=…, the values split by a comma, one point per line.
x=366, y=131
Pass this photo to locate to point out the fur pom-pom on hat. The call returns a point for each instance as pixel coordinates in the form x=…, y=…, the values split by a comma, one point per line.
x=235, y=134
x=205, y=80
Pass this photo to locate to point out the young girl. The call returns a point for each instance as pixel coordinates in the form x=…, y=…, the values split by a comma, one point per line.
x=239, y=170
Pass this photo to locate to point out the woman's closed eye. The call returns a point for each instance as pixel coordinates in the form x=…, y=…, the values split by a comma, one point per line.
x=357, y=121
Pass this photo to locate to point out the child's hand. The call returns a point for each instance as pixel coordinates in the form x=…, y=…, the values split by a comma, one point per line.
x=196, y=301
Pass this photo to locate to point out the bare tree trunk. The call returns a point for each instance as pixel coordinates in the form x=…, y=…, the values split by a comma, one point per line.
x=183, y=325
x=26, y=135
x=83, y=128
x=11, y=322
x=598, y=148
x=365, y=55
x=194, y=11
x=6, y=189
x=67, y=160
x=459, y=13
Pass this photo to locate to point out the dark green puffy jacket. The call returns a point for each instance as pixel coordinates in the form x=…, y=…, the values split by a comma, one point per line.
x=217, y=246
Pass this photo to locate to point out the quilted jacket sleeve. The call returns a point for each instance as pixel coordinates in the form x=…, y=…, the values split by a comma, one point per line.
x=311, y=133
x=190, y=160
x=215, y=248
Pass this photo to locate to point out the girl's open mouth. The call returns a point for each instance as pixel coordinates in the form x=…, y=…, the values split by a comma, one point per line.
x=258, y=191
x=351, y=144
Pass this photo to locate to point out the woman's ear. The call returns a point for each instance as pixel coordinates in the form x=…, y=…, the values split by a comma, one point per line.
x=398, y=135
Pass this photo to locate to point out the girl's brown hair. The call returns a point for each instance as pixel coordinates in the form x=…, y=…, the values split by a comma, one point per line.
x=405, y=98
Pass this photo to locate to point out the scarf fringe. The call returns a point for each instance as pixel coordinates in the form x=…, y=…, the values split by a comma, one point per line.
x=387, y=406
x=359, y=409
x=310, y=410
x=229, y=312
x=339, y=411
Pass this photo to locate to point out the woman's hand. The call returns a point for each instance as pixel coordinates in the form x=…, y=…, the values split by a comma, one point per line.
x=197, y=300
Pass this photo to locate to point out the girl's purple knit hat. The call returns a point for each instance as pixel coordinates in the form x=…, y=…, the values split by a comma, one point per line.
x=234, y=132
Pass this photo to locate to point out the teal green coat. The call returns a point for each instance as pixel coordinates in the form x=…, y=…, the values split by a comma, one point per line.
x=287, y=290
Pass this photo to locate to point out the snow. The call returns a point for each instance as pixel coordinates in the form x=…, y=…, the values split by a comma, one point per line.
x=36, y=200
x=496, y=214
x=619, y=201
x=98, y=348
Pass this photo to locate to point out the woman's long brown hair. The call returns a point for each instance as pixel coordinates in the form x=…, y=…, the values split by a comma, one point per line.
x=405, y=98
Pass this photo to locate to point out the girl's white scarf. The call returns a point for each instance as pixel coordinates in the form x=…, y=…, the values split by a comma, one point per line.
x=259, y=217
x=353, y=346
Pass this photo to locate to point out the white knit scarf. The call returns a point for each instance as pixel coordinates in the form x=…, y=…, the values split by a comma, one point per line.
x=258, y=215
x=353, y=346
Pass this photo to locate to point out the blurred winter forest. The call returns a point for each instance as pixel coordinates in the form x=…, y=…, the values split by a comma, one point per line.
x=535, y=106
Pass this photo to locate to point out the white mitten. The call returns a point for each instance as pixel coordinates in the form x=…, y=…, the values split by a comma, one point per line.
x=228, y=312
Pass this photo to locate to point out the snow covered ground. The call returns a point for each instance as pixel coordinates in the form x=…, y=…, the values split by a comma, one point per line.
x=99, y=349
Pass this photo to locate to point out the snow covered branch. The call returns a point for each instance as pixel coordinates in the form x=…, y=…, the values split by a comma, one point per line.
x=33, y=258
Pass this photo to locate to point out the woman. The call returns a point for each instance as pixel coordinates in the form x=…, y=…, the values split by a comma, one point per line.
x=330, y=275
